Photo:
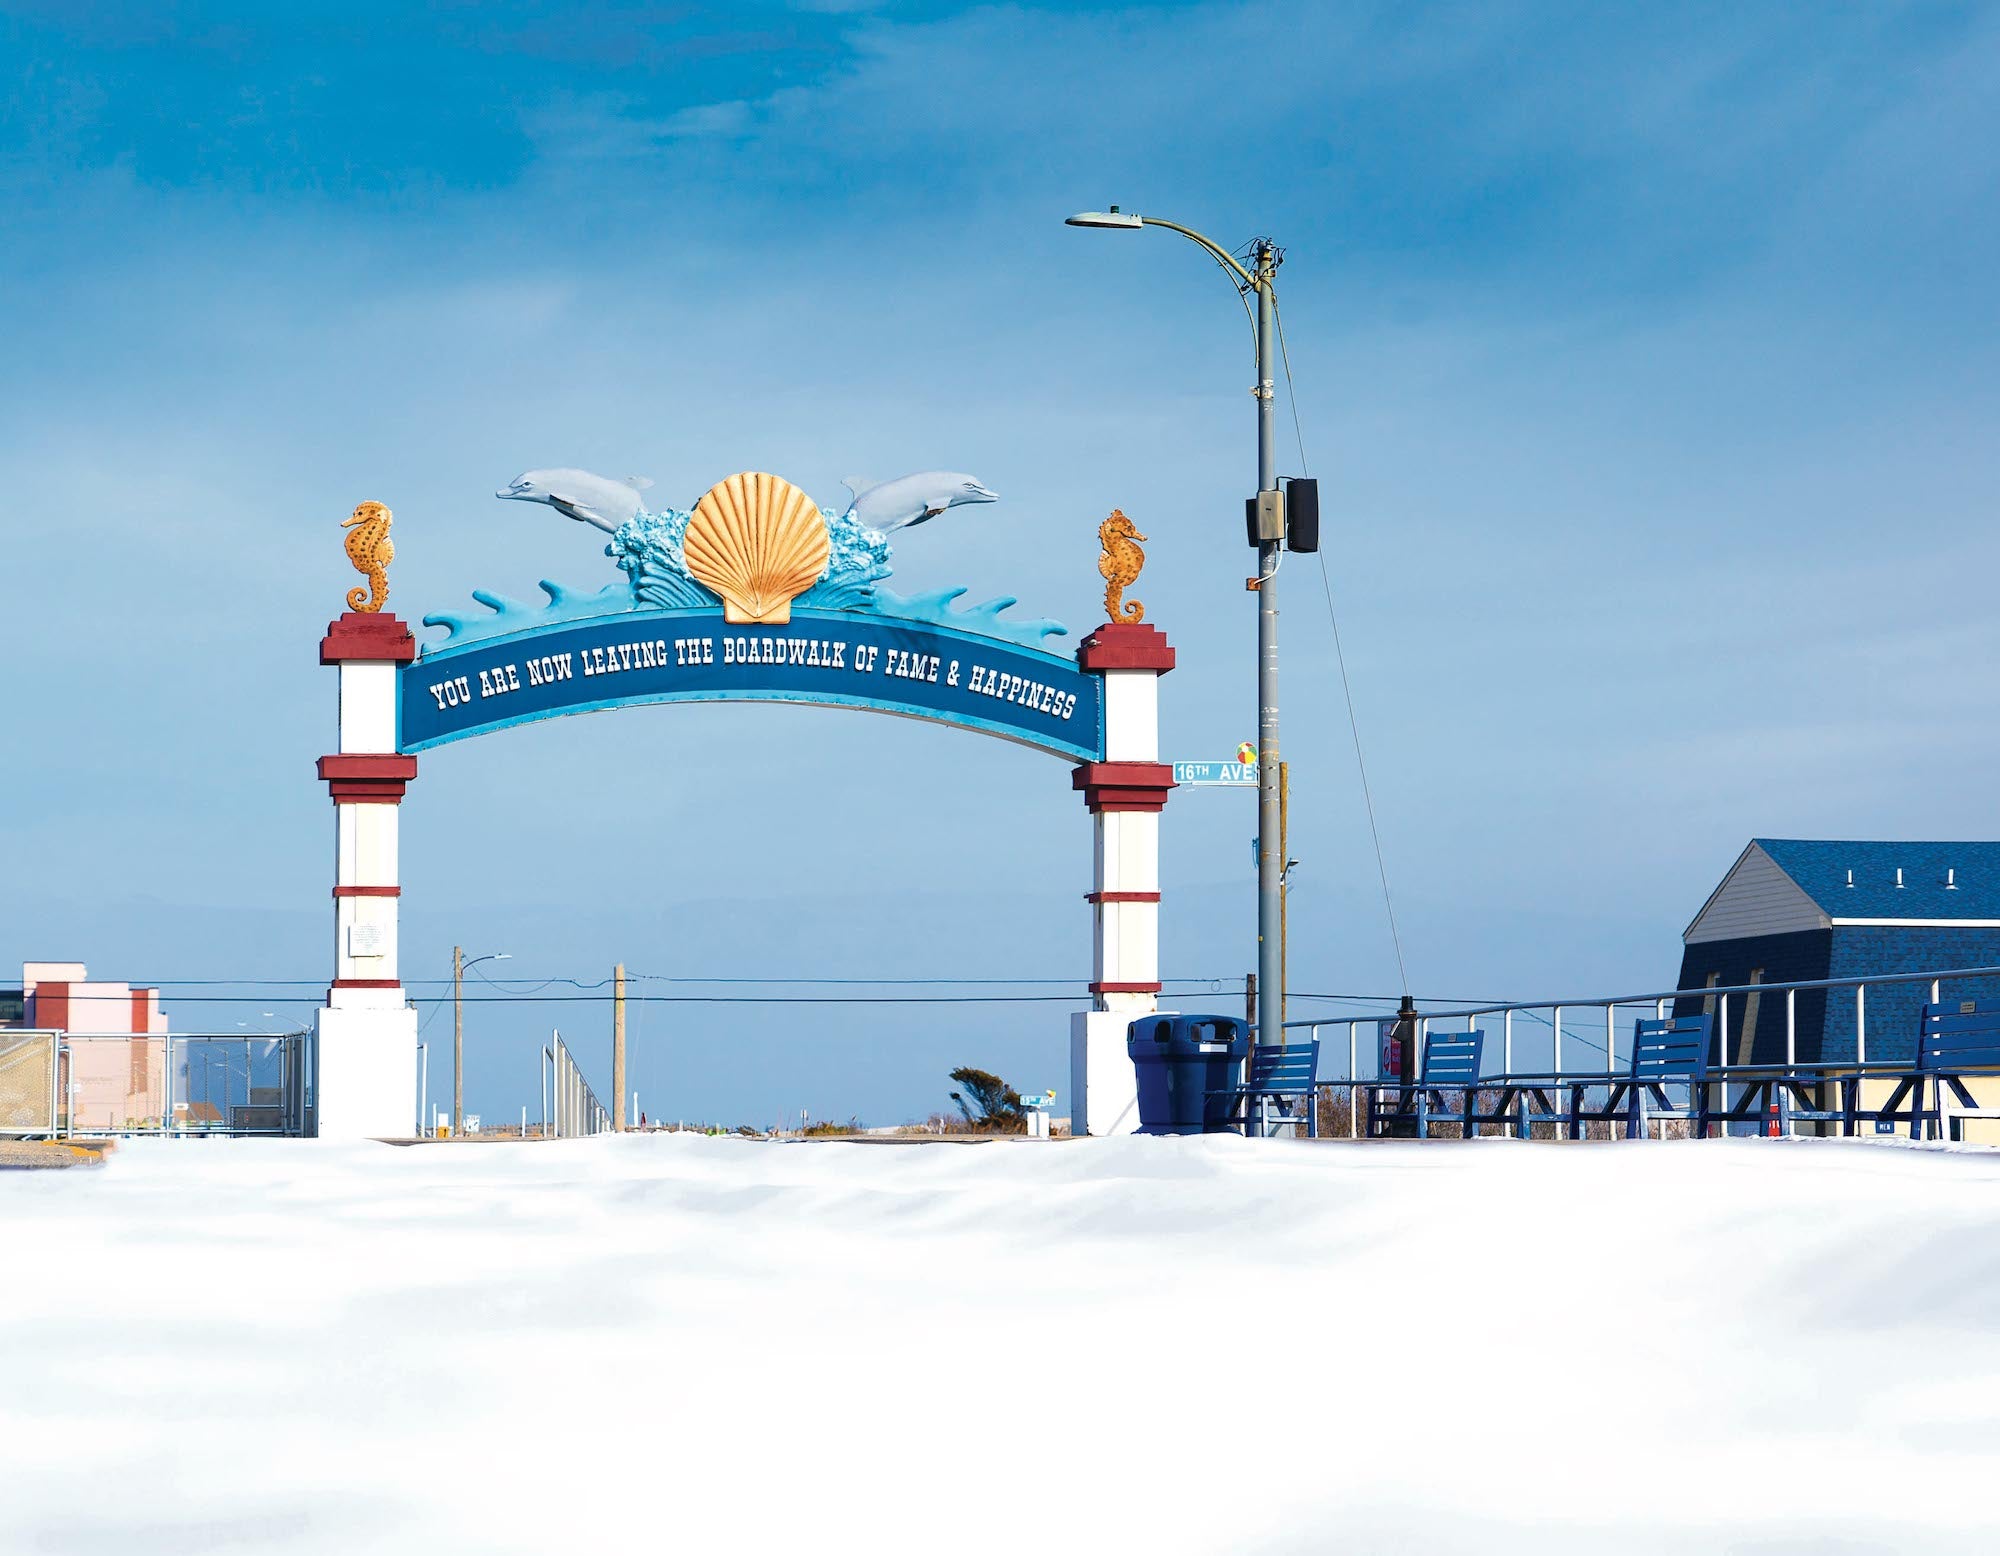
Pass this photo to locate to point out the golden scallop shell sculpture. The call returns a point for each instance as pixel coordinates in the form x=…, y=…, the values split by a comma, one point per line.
x=760, y=543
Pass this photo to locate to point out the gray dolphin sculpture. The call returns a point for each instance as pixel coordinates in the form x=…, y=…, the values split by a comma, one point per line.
x=913, y=499
x=587, y=498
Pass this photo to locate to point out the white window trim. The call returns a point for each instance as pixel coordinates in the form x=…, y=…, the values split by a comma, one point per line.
x=1916, y=923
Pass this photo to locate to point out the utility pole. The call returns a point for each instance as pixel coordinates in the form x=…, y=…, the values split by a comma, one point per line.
x=1270, y=819
x=457, y=1042
x=618, y=1048
x=458, y=966
x=1250, y=999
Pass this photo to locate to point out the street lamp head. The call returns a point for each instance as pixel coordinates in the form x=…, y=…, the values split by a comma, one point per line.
x=1111, y=218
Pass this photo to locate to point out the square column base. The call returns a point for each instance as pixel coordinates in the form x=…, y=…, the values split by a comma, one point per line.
x=365, y=1080
x=1103, y=1086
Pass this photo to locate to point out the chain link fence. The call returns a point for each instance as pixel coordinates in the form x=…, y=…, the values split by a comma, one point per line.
x=28, y=1083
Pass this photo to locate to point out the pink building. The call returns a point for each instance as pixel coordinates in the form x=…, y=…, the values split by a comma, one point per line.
x=116, y=1070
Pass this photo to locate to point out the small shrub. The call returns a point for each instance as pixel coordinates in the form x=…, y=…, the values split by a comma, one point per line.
x=998, y=1105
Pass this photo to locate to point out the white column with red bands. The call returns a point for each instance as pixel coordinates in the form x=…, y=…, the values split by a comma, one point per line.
x=366, y=1045
x=1125, y=793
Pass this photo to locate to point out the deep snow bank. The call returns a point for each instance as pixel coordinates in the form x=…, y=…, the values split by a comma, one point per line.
x=1700, y=1346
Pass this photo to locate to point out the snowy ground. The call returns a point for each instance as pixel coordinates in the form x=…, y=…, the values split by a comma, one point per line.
x=1701, y=1346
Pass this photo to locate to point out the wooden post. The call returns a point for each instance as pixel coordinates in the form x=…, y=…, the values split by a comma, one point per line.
x=618, y=1047
x=1250, y=1002
x=1284, y=896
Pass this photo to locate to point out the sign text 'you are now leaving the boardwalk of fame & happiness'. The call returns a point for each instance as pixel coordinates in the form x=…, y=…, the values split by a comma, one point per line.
x=833, y=658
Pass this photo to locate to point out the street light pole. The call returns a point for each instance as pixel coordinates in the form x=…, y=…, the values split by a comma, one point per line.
x=457, y=1042
x=458, y=967
x=1261, y=278
x=1270, y=851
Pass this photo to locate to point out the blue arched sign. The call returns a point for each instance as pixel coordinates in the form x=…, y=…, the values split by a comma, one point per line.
x=676, y=632
x=831, y=658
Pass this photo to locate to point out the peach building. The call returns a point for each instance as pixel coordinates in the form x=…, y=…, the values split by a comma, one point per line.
x=111, y=1084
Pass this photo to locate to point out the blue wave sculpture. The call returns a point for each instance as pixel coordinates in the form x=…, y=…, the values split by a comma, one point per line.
x=935, y=608
x=647, y=548
x=507, y=615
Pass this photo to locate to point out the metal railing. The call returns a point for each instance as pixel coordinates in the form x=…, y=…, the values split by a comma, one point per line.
x=1530, y=1029
x=577, y=1110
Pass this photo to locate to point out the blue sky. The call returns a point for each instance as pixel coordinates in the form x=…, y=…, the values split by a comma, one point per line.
x=1647, y=360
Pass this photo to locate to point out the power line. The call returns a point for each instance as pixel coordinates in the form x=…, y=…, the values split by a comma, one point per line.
x=577, y=983
x=1340, y=659
x=1077, y=997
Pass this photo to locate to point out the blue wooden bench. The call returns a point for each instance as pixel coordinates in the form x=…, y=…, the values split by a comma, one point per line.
x=1450, y=1066
x=1665, y=1052
x=1281, y=1088
x=1669, y=1052
x=1676, y=1052
x=1955, y=1037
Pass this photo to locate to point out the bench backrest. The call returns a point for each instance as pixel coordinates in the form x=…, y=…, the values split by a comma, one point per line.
x=1451, y=1059
x=1292, y=1069
x=1673, y=1050
x=1960, y=1034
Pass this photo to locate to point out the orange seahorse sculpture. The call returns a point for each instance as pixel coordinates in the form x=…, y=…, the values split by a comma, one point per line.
x=371, y=551
x=1120, y=565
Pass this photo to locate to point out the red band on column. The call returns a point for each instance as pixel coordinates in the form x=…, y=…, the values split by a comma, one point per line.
x=367, y=779
x=368, y=891
x=1121, y=896
x=1125, y=988
x=1122, y=646
x=358, y=635
x=367, y=983
x=1114, y=786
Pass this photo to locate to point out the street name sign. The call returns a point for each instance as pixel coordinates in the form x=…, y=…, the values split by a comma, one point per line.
x=1216, y=775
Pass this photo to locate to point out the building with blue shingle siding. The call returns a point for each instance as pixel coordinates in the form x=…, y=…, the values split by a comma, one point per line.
x=1792, y=911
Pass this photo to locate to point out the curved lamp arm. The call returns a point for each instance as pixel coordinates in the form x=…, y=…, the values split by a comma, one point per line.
x=1216, y=249
x=1117, y=218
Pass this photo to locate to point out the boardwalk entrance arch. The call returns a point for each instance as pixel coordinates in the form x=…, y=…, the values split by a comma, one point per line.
x=753, y=595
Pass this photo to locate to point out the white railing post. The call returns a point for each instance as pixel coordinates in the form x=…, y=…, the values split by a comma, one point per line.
x=1722, y=1058
x=1557, y=1026
x=1610, y=1041
x=1861, y=1023
x=1353, y=1090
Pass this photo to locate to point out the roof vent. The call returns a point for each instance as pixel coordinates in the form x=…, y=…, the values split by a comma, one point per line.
x=1899, y=879
x=1951, y=880
x=1850, y=880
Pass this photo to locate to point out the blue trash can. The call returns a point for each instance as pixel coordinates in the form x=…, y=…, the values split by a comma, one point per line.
x=1179, y=1061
